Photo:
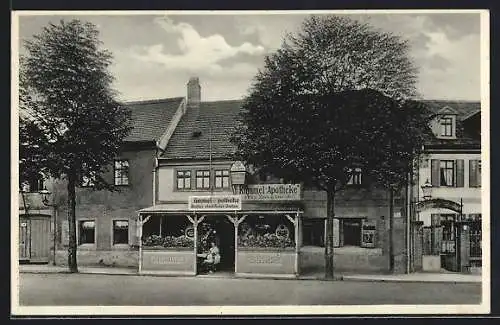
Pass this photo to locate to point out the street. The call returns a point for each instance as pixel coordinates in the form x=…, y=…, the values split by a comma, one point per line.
x=122, y=290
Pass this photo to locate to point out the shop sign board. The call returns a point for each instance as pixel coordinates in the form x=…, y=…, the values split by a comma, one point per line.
x=214, y=203
x=271, y=192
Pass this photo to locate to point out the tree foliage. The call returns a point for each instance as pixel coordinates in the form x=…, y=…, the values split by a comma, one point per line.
x=71, y=125
x=334, y=97
x=70, y=121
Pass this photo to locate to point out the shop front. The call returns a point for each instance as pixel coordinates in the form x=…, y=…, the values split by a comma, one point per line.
x=252, y=234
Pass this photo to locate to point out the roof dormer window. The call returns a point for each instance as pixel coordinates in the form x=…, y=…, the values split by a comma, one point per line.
x=446, y=126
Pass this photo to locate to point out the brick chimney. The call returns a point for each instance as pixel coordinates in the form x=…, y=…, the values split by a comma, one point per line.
x=193, y=92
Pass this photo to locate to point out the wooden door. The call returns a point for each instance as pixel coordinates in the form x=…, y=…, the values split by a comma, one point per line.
x=24, y=241
x=40, y=239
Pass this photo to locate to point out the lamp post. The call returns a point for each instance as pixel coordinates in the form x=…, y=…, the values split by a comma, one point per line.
x=426, y=190
x=45, y=193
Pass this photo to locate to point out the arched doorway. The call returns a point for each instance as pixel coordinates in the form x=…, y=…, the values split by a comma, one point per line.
x=441, y=235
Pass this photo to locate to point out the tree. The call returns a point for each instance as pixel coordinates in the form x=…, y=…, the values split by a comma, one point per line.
x=333, y=98
x=71, y=125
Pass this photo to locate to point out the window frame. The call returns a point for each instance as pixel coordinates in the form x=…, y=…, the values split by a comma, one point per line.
x=113, y=243
x=356, y=177
x=446, y=168
x=115, y=169
x=203, y=177
x=224, y=174
x=78, y=233
x=446, y=124
x=177, y=171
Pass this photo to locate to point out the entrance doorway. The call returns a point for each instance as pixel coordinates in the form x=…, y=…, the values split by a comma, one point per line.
x=34, y=239
x=220, y=230
x=352, y=232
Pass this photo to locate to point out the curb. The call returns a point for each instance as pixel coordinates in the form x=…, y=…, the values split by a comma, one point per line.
x=304, y=278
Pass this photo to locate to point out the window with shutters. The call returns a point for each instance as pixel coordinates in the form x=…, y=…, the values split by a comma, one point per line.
x=446, y=173
x=474, y=173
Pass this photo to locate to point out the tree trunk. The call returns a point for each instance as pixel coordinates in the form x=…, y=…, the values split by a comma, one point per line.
x=391, y=229
x=72, y=263
x=330, y=208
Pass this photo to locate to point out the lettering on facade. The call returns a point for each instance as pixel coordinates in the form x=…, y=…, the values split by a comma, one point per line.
x=271, y=192
x=264, y=259
x=163, y=260
x=214, y=203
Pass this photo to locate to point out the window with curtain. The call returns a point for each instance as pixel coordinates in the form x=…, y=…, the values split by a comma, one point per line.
x=447, y=173
x=121, y=172
x=222, y=178
x=183, y=179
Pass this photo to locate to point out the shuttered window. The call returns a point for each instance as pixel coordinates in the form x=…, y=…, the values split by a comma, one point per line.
x=474, y=173
x=447, y=173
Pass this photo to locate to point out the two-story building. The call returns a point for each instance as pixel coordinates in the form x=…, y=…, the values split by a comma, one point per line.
x=450, y=173
x=196, y=165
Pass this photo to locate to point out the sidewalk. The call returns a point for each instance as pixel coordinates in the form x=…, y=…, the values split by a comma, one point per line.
x=413, y=277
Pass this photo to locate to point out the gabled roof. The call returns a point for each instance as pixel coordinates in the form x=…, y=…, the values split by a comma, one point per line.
x=462, y=108
x=215, y=120
x=151, y=118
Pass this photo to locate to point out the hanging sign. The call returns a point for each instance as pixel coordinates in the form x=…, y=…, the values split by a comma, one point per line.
x=214, y=203
x=271, y=192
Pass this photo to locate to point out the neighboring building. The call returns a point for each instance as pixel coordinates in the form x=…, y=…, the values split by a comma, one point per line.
x=451, y=164
x=106, y=221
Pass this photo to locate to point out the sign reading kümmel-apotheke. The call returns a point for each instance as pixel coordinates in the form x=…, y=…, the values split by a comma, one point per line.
x=271, y=192
x=214, y=203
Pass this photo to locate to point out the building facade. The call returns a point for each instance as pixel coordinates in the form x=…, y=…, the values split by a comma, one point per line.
x=178, y=156
x=451, y=170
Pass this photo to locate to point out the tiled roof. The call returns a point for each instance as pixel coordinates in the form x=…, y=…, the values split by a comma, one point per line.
x=151, y=118
x=190, y=139
x=464, y=108
x=215, y=120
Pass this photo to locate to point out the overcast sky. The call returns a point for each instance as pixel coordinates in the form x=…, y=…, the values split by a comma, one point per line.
x=154, y=56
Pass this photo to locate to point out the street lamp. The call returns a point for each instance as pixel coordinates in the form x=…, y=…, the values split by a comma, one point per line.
x=426, y=190
x=238, y=173
x=45, y=193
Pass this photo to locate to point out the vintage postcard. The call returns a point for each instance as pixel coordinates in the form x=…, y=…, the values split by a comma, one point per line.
x=250, y=162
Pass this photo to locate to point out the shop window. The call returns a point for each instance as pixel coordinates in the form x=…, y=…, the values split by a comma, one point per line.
x=183, y=179
x=202, y=179
x=446, y=126
x=121, y=172
x=86, y=231
x=222, y=178
x=355, y=177
x=266, y=231
x=351, y=229
x=120, y=232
